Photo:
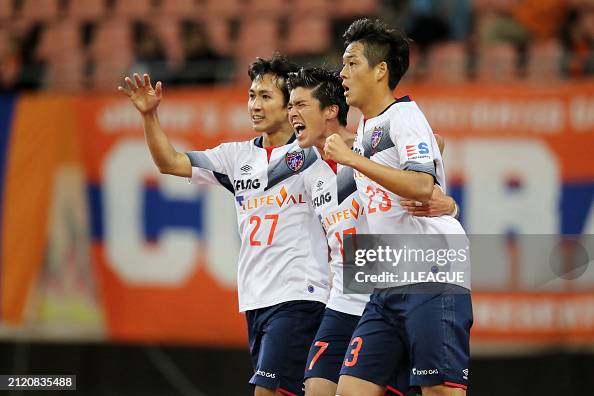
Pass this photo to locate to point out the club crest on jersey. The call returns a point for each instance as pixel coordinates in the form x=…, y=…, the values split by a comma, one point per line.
x=295, y=160
x=376, y=136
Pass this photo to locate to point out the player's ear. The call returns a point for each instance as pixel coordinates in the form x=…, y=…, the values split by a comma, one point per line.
x=381, y=70
x=331, y=112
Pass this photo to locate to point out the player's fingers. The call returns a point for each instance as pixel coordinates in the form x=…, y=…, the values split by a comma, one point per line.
x=147, y=80
x=410, y=209
x=131, y=85
x=419, y=212
x=407, y=203
x=138, y=80
x=158, y=89
x=124, y=90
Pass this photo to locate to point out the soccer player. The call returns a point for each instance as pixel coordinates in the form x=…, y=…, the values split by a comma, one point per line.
x=283, y=279
x=318, y=109
x=427, y=325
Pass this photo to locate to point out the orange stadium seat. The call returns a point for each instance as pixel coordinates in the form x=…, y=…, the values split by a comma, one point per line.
x=3, y=41
x=258, y=33
x=60, y=47
x=310, y=35
x=86, y=9
x=218, y=31
x=112, y=61
x=36, y=10
x=18, y=26
x=179, y=8
x=5, y=10
x=351, y=8
x=258, y=38
x=447, y=63
x=225, y=8
x=65, y=75
x=273, y=8
x=311, y=6
x=544, y=61
x=59, y=40
x=133, y=9
x=168, y=30
x=497, y=63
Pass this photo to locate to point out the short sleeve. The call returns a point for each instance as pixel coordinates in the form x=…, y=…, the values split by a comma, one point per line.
x=212, y=166
x=411, y=134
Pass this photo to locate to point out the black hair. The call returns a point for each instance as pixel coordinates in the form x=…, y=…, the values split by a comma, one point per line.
x=278, y=66
x=381, y=43
x=326, y=87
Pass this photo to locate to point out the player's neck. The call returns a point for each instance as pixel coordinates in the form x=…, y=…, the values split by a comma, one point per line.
x=377, y=104
x=278, y=138
x=347, y=136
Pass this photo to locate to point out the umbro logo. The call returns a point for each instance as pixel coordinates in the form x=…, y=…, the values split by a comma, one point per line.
x=319, y=185
x=246, y=168
x=465, y=372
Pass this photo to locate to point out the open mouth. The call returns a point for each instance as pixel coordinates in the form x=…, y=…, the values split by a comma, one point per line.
x=256, y=118
x=299, y=128
x=346, y=89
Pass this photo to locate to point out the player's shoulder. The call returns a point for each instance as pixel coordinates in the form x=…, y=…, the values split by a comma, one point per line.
x=403, y=107
x=233, y=148
x=405, y=112
x=240, y=144
x=315, y=168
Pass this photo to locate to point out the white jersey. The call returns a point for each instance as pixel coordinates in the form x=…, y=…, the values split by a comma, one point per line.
x=278, y=261
x=333, y=193
x=400, y=137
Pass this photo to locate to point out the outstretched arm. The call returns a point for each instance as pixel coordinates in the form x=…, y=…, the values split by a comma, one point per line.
x=146, y=99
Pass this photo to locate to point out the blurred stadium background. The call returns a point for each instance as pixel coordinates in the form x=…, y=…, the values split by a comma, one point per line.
x=126, y=278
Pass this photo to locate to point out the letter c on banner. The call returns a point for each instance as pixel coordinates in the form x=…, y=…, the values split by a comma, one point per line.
x=175, y=256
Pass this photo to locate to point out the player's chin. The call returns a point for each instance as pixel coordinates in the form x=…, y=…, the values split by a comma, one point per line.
x=349, y=99
x=302, y=140
x=304, y=143
x=259, y=126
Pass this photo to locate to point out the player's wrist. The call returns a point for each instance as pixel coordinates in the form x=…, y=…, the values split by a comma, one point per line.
x=150, y=115
x=351, y=159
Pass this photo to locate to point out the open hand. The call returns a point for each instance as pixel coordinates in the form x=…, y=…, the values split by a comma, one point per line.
x=145, y=98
